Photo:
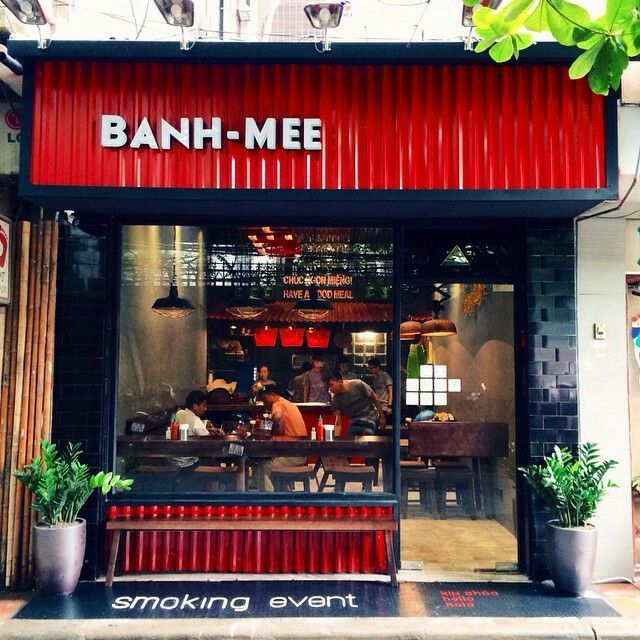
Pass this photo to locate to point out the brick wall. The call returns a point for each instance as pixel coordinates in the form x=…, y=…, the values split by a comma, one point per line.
x=551, y=328
x=79, y=366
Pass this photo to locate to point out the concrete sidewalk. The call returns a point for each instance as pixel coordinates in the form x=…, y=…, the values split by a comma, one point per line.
x=313, y=628
x=624, y=598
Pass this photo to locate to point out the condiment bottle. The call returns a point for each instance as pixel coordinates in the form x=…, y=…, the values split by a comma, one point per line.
x=175, y=428
x=320, y=429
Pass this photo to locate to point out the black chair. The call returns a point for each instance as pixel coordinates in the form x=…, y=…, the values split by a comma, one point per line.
x=457, y=478
x=417, y=474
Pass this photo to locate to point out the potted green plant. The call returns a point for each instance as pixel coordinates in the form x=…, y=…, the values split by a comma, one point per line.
x=60, y=485
x=571, y=487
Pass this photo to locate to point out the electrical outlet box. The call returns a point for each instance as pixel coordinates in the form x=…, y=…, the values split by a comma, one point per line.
x=599, y=332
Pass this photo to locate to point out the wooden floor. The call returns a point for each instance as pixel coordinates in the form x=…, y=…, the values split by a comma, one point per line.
x=457, y=544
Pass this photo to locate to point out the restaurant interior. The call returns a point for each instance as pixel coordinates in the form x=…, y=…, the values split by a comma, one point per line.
x=205, y=307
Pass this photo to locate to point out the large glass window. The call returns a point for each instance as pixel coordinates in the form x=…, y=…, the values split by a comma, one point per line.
x=235, y=336
x=458, y=467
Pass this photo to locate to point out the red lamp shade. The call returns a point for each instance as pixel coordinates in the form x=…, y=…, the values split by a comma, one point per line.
x=265, y=336
x=291, y=336
x=318, y=338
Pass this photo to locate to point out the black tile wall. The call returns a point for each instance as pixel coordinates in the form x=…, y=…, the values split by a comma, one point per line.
x=551, y=328
x=78, y=390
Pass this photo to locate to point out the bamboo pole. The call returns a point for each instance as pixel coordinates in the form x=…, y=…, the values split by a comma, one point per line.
x=23, y=274
x=38, y=396
x=23, y=531
x=51, y=335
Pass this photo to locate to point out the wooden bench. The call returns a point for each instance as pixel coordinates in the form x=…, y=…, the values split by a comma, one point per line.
x=385, y=523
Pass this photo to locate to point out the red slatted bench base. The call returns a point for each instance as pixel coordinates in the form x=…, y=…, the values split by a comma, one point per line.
x=386, y=524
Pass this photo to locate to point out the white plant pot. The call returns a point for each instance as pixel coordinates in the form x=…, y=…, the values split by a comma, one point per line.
x=59, y=556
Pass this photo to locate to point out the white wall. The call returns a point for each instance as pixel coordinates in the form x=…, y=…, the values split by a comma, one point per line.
x=602, y=381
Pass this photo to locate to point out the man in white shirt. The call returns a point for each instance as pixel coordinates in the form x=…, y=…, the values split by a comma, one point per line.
x=195, y=407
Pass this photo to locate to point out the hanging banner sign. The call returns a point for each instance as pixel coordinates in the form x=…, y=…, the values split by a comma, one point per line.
x=328, y=286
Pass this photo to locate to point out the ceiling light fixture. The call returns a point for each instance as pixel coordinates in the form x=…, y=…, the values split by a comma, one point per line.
x=29, y=12
x=246, y=307
x=173, y=306
x=325, y=15
x=177, y=13
x=437, y=326
x=410, y=329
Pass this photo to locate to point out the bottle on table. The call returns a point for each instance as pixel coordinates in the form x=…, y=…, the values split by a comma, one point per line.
x=320, y=428
x=175, y=428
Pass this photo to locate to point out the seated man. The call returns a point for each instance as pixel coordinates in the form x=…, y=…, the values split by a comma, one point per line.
x=195, y=407
x=357, y=400
x=287, y=421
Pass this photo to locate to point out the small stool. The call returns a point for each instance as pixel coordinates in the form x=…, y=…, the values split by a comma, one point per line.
x=460, y=478
x=225, y=477
x=417, y=473
x=284, y=478
x=342, y=475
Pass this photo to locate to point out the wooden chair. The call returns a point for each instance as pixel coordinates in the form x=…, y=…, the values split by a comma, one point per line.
x=284, y=478
x=224, y=477
x=354, y=473
x=415, y=473
x=460, y=479
x=458, y=440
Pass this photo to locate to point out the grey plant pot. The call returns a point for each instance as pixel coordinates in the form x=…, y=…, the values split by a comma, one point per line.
x=59, y=556
x=572, y=556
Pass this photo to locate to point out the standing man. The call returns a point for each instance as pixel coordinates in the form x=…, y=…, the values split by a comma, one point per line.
x=357, y=400
x=287, y=421
x=298, y=383
x=316, y=385
x=343, y=365
x=381, y=383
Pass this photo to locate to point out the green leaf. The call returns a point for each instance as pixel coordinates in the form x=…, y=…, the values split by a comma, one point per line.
x=563, y=18
x=619, y=14
x=619, y=61
x=517, y=10
x=485, y=44
x=523, y=40
x=630, y=39
x=502, y=50
x=585, y=61
x=470, y=3
x=485, y=18
x=538, y=21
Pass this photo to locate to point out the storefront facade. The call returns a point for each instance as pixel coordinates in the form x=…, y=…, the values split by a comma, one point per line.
x=416, y=142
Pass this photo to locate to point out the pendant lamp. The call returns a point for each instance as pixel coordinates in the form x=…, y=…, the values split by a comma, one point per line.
x=438, y=327
x=313, y=309
x=410, y=329
x=246, y=307
x=173, y=306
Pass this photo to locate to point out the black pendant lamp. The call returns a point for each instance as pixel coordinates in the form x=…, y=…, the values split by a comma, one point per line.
x=246, y=307
x=173, y=306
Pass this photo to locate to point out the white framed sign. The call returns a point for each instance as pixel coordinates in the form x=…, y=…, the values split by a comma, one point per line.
x=5, y=260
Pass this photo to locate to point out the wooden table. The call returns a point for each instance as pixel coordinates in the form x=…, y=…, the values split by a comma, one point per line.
x=155, y=446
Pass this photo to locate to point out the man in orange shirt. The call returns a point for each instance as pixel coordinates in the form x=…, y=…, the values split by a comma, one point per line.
x=287, y=421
